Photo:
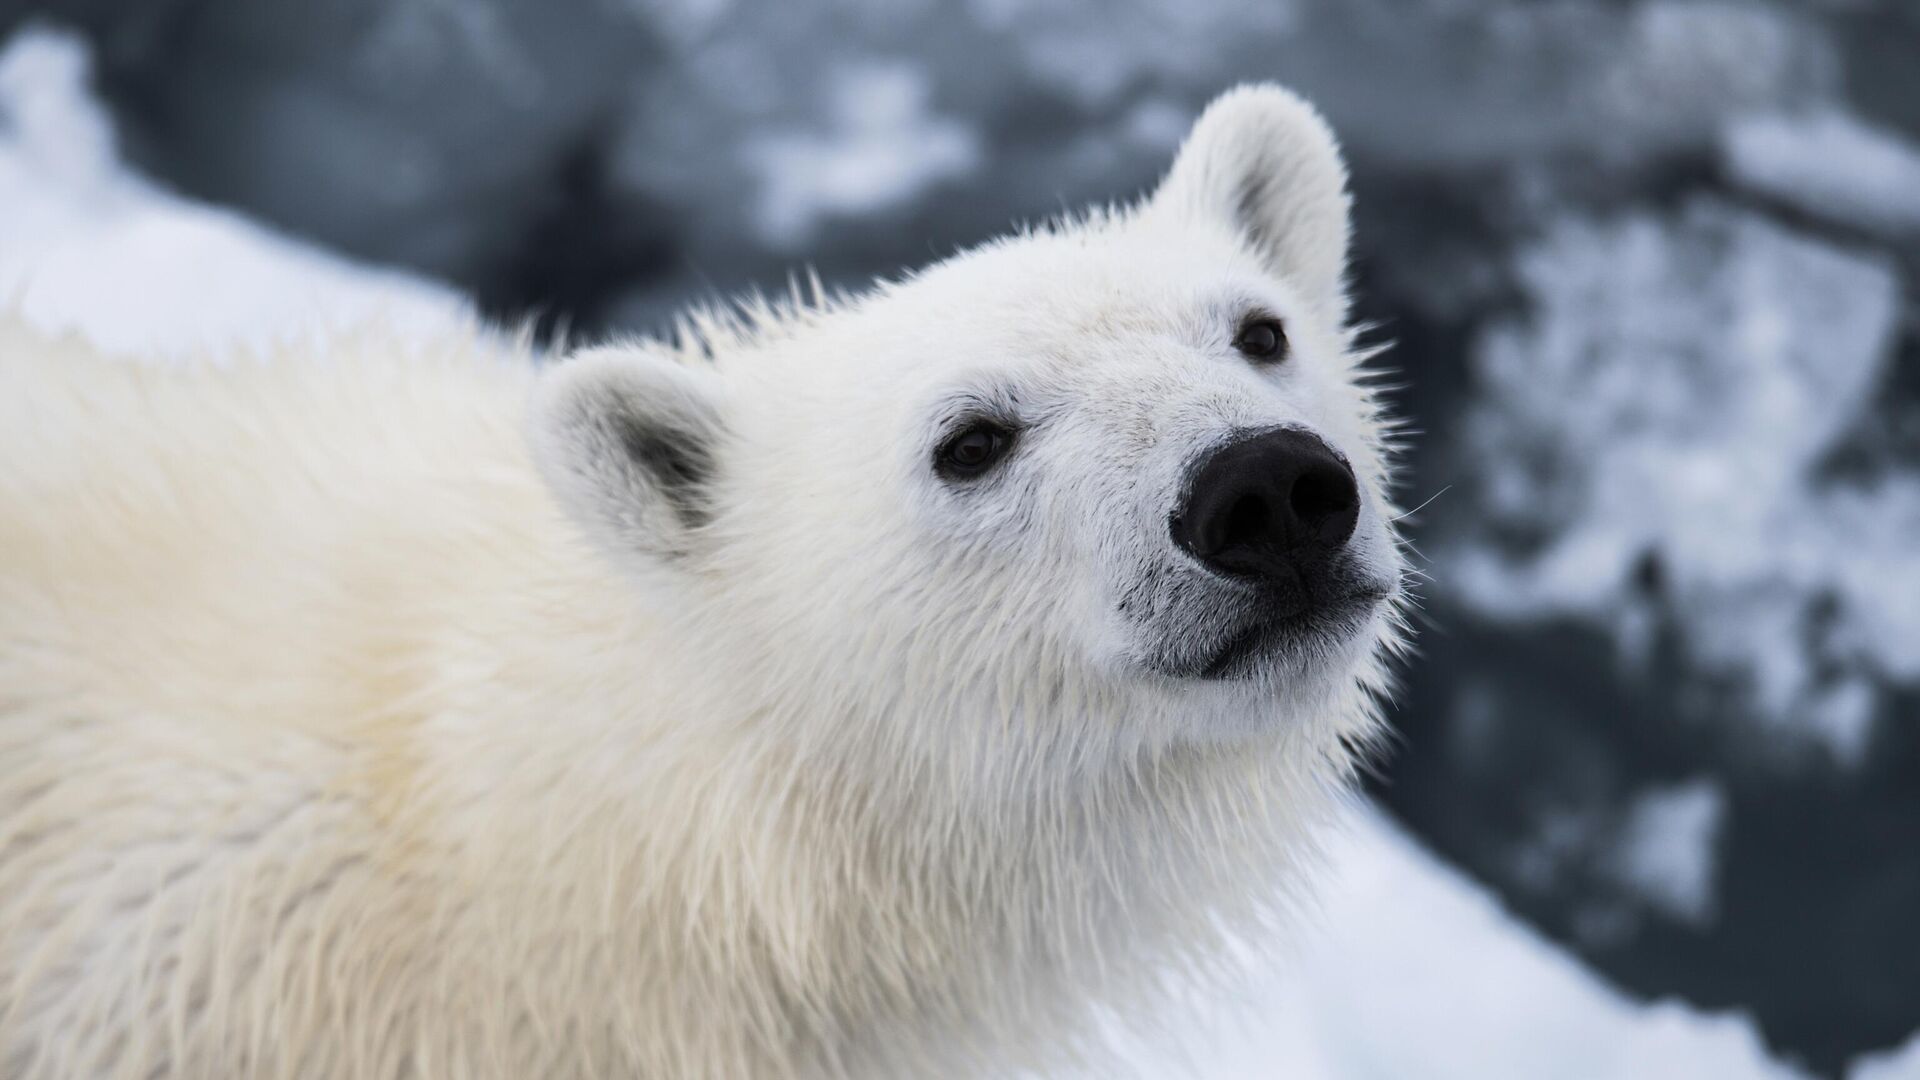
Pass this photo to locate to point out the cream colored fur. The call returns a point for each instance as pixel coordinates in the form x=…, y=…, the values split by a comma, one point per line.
x=359, y=716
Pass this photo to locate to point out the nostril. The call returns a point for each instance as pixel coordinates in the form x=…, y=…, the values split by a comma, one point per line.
x=1324, y=500
x=1247, y=522
x=1321, y=492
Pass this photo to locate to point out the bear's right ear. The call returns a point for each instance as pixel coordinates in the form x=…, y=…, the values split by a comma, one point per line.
x=627, y=439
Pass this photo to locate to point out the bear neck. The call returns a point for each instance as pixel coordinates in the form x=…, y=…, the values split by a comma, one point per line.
x=839, y=884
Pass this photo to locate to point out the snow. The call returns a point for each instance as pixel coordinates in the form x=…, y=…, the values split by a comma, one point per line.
x=1413, y=971
x=81, y=237
x=1665, y=851
x=883, y=146
x=1409, y=969
x=1717, y=358
x=1656, y=853
x=1900, y=1063
x=1829, y=164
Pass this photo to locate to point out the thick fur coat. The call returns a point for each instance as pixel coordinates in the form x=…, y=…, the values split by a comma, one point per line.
x=410, y=711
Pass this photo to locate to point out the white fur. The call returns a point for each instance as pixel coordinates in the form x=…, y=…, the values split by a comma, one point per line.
x=370, y=714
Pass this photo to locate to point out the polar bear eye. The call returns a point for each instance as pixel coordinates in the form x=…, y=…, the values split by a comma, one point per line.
x=1262, y=340
x=973, y=450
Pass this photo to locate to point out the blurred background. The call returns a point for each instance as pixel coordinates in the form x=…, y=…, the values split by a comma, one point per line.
x=1651, y=268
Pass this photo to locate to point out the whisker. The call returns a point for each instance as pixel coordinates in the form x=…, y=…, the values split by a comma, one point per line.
x=1424, y=505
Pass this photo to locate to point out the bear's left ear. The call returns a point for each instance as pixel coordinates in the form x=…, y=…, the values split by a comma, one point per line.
x=627, y=438
x=1262, y=162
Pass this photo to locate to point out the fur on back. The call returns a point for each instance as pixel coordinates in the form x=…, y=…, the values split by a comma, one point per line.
x=333, y=744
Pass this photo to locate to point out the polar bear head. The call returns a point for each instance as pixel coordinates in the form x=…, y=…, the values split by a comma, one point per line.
x=1116, y=481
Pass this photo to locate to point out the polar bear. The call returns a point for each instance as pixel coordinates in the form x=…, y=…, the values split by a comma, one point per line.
x=871, y=686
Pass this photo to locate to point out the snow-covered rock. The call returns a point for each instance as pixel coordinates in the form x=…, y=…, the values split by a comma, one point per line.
x=1655, y=424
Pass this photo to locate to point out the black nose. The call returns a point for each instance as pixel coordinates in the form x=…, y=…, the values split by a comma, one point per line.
x=1273, y=506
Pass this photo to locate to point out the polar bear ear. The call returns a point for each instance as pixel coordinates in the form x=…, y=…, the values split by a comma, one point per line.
x=1262, y=161
x=627, y=438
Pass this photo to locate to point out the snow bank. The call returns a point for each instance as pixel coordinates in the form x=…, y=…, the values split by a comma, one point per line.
x=1414, y=971
x=87, y=245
